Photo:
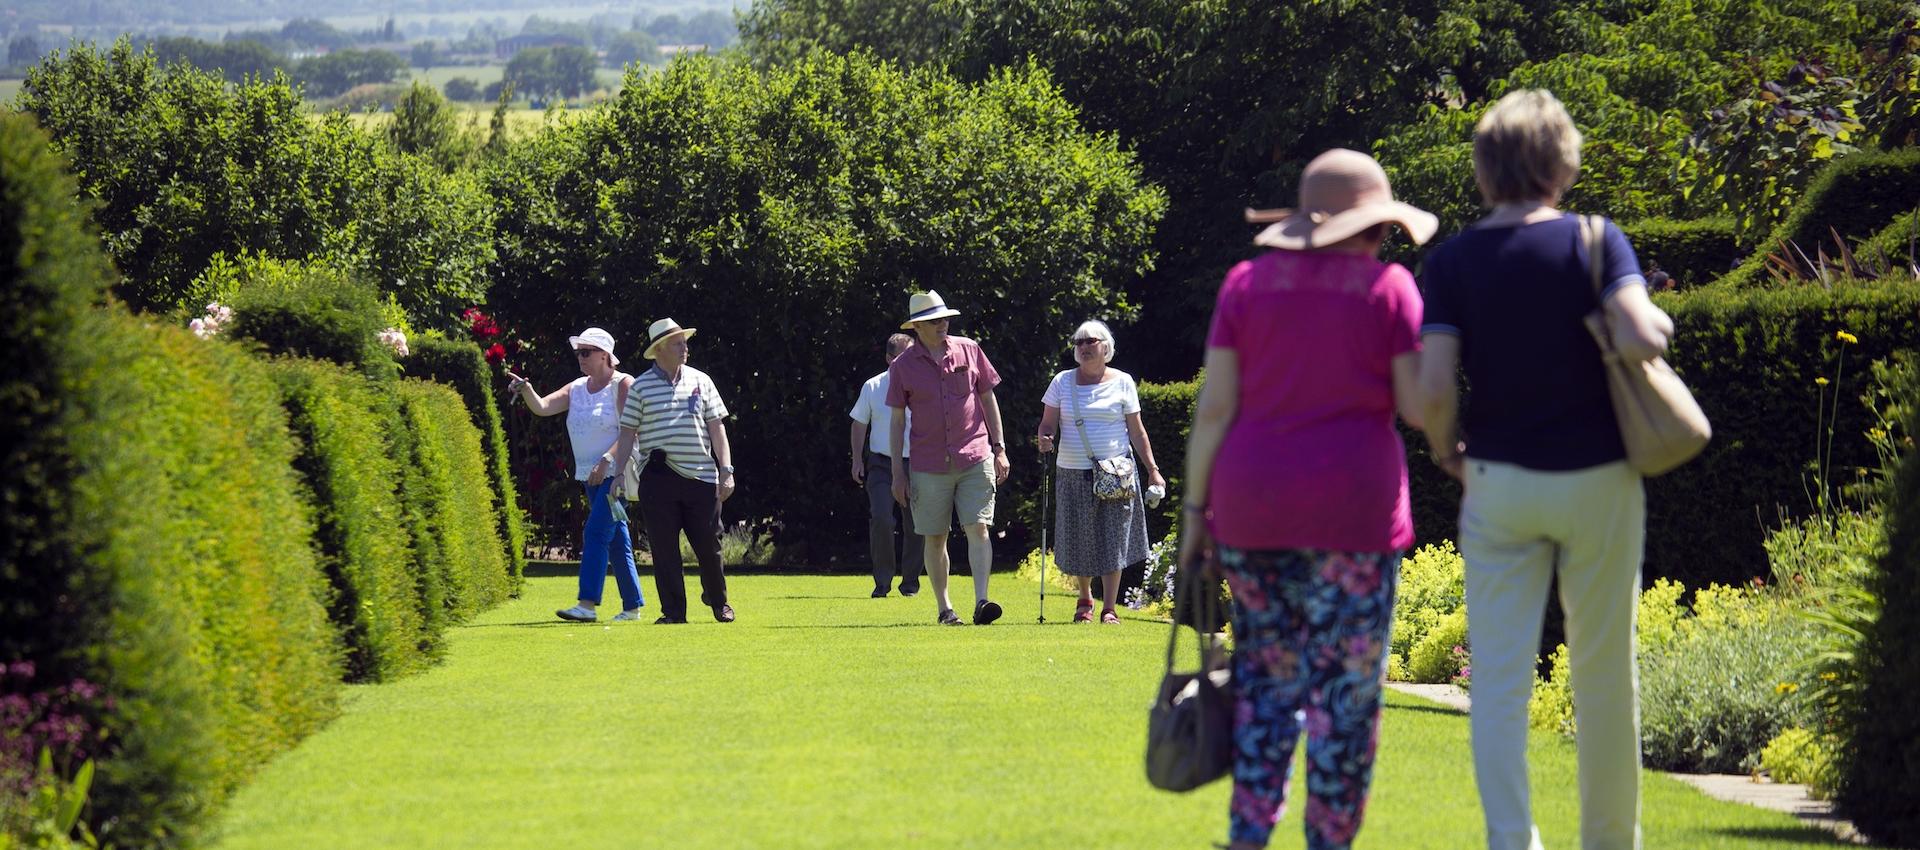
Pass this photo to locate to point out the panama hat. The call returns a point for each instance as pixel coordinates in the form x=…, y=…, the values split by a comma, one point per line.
x=1342, y=193
x=660, y=332
x=925, y=307
x=595, y=338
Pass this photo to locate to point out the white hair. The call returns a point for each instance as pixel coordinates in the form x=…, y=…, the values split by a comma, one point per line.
x=1099, y=330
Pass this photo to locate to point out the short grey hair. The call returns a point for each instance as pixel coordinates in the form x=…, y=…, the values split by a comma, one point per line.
x=1097, y=329
x=1525, y=148
x=897, y=344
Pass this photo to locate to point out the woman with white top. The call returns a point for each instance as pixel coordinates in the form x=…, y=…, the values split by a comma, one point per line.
x=1095, y=537
x=593, y=403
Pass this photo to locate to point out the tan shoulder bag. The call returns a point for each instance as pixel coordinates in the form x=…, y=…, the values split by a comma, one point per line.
x=1661, y=424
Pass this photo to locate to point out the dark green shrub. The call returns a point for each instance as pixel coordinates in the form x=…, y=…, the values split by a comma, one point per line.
x=445, y=482
x=187, y=167
x=1167, y=412
x=1898, y=242
x=1857, y=196
x=1880, y=790
x=752, y=204
x=346, y=423
x=1690, y=252
x=306, y=310
x=460, y=365
x=162, y=545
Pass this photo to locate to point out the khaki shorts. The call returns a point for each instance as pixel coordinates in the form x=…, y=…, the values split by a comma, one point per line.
x=937, y=496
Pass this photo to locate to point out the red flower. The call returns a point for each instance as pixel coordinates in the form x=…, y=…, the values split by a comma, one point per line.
x=496, y=353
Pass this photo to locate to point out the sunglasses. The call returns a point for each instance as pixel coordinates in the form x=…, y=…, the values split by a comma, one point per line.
x=1086, y=340
x=582, y=352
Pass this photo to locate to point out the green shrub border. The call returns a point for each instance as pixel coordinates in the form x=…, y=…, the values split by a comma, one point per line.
x=1857, y=195
x=461, y=366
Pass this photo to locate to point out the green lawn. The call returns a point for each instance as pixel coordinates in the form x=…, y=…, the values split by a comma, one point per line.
x=826, y=719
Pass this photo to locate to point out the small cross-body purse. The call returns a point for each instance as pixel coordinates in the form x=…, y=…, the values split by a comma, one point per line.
x=1114, y=479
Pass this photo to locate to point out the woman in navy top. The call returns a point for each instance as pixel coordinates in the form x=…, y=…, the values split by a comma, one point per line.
x=1548, y=489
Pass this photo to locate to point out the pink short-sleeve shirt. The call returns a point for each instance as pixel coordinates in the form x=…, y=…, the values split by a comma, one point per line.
x=1312, y=459
x=949, y=427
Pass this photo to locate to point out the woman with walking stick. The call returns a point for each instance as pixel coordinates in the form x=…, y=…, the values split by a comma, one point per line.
x=1100, y=519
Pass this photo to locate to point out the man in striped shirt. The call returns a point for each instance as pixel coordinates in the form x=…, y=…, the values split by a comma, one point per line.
x=674, y=419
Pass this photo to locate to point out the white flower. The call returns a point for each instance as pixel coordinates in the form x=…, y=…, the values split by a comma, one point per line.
x=394, y=339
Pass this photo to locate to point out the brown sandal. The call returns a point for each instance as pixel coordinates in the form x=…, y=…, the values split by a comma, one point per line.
x=1083, y=612
x=1109, y=618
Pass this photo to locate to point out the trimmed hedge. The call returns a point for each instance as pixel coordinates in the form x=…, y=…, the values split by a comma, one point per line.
x=157, y=542
x=309, y=309
x=367, y=549
x=1857, y=196
x=1881, y=788
x=1898, y=242
x=1751, y=357
x=461, y=366
x=1167, y=412
x=1691, y=252
x=447, y=464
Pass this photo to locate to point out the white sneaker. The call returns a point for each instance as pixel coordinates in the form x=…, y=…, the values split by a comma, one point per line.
x=629, y=614
x=578, y=614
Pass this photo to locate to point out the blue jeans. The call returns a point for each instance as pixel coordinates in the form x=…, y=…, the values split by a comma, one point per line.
x=606, y=541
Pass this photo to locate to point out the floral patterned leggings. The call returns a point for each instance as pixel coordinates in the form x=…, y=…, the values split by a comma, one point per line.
x=1310, y=632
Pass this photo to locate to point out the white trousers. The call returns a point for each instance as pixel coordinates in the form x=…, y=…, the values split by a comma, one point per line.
x=1519, y=526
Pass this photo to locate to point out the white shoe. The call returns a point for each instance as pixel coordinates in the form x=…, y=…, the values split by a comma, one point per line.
x=578, y=614
x=629, y=614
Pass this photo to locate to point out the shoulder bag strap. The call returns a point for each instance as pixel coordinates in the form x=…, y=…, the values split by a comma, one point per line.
x=1073, y=395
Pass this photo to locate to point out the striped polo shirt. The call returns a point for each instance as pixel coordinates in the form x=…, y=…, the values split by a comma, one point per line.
x=673, y=416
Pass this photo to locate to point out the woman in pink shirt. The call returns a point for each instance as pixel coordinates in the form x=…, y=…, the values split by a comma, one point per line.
x=1297, y=486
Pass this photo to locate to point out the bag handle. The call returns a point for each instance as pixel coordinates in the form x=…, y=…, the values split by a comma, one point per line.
x=1183, y=599
x=1593, y=234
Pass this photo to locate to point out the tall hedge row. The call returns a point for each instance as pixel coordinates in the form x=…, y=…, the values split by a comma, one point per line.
x=182, y=517
x=157, y=536
x=1881, y=791
x=461, y=366
x=1753, y=358
x=344, y=422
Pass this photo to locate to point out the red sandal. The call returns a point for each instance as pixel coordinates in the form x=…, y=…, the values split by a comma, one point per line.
x=1083, y=612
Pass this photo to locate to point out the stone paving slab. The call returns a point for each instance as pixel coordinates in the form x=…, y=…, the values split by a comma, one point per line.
x=1753, y=791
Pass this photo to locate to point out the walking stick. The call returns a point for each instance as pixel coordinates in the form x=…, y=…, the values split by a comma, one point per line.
x=1046, y=488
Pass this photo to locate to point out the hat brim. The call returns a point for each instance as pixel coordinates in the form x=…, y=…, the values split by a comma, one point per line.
x=654, y=348
x=1300, y=232
x=576, y=342
x=944, y=313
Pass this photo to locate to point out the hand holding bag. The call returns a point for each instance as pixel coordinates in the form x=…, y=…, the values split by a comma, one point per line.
x=1190, y=727
x=1114, y=479
x=1659, y=420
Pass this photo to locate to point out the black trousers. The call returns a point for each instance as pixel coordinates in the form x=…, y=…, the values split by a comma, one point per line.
x=884, y=518
x=673, y=504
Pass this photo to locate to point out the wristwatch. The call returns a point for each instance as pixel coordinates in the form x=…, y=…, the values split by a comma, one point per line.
x=997, y=447
x=728, y=469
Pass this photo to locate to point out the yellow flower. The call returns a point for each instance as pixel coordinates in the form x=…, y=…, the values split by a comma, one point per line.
x=1845, y=337
x=1877, y=434
x=1860, y=471
x=1820, y=381
x=1785, y=688
x=1829, y=675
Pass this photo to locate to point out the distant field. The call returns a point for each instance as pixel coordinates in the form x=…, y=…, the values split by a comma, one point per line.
x=520, y=122
x=486, y=75
x=8, y=89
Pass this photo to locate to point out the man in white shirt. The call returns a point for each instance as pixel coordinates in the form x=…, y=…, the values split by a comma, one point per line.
x=873, y=466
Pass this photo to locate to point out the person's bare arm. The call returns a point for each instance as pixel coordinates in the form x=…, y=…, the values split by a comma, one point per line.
x=996, y=436
x=1213, y=414
x=898, y=432
x=1406, y=389
x=1641, y=330
x=547, y=405
x=859, y=445
x=1440, y=399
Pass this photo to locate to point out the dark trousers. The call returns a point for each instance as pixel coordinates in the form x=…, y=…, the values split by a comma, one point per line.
x=672, y=504
x=884, y=518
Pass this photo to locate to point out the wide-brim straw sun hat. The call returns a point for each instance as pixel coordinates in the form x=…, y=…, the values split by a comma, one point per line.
x=1342, y=193
x=660, y=332
x=925, y=307
x=596, y=338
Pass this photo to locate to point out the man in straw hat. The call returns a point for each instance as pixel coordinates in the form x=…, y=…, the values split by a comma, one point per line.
x=947, y=383
x=674, y=416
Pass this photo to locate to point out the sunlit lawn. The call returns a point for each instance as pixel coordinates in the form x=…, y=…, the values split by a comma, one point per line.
x=824, y=718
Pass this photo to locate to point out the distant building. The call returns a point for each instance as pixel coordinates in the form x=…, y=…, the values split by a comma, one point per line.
x=506, y=47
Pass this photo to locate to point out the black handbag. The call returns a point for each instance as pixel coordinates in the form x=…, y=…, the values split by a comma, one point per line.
x=1190, y=727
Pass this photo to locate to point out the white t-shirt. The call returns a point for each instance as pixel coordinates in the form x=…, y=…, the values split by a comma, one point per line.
x=593, y=422
x=1103, y=406
x=872, y=411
